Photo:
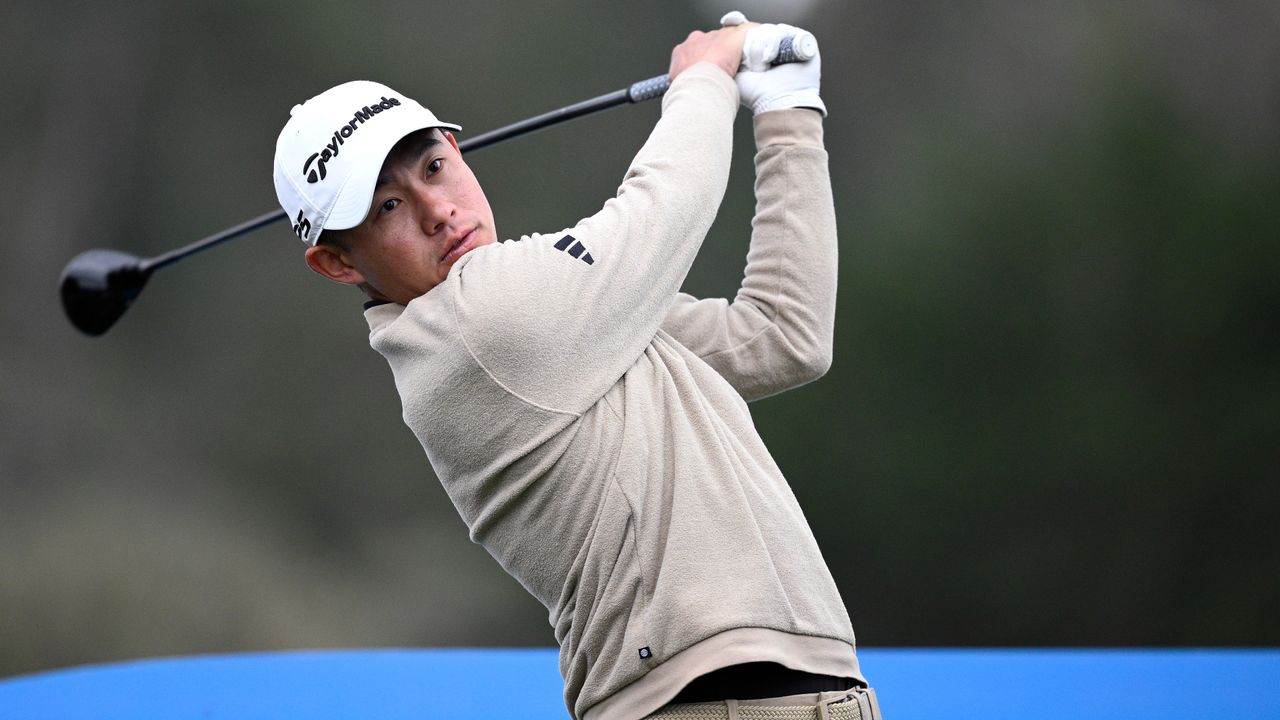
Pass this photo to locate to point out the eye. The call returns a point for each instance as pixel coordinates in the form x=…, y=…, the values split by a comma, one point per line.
x=388, y=205
x=435, y=166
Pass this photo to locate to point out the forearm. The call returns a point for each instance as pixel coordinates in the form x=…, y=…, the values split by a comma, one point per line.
x=777, y=332
x=672, y=189
x=792, y=264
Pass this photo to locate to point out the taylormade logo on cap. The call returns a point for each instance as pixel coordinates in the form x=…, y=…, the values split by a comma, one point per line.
x=340, y=135
x=325, y=177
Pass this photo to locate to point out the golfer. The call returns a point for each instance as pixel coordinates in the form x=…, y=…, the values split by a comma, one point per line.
x=590, y=421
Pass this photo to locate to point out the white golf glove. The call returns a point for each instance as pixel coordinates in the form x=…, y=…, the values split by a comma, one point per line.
x=764, y=87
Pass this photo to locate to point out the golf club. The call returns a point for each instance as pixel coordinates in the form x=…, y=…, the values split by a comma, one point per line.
x=98, y=285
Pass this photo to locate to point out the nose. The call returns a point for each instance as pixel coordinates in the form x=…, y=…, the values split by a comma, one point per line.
x=436, y=210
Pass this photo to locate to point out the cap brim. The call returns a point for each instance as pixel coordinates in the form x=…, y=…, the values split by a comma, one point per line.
x=352, y=204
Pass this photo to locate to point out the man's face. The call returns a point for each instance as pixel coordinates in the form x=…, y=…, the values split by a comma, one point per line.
x=428, y=211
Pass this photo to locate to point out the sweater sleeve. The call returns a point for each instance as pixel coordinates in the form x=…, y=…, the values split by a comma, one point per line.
x=557, y=319
x=777, y=332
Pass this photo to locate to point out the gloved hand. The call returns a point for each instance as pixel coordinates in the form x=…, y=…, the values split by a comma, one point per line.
x=764, y=87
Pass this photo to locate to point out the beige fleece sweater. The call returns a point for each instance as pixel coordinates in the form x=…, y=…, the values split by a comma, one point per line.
x=590, y=422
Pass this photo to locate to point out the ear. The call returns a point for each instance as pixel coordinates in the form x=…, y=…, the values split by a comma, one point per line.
x=452, y=140
x=333, y=264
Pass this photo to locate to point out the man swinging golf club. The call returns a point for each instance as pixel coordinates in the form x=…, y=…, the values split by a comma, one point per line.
x=587, y=419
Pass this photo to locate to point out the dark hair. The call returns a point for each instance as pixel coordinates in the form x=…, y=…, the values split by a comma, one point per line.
x=333, y=237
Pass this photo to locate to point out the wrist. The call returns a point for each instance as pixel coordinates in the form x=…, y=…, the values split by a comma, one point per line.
x=791, y=126
x=701, y=78
x=799, y=99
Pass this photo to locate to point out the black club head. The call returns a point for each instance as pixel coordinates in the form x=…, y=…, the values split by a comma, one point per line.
x=98, y=286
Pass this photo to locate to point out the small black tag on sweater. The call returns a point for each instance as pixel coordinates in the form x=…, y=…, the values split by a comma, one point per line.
x=645, y=653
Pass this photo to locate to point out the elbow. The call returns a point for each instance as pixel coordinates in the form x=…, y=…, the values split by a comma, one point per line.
x=813, y=363
x=810, y=341
x=822, y=362
x=807, y=355
x=790, y=368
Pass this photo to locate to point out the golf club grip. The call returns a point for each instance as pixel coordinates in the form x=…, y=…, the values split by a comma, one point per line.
x=798, y=48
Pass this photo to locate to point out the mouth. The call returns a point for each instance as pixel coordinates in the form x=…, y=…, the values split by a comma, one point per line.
x=459, y=247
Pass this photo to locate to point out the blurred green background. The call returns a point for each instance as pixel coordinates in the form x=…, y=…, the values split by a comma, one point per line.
x=1053, y=419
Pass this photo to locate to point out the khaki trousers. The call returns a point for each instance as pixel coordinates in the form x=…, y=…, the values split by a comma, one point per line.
x=855, y=704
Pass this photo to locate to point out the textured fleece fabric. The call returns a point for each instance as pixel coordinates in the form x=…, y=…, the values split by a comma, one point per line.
x=590, y=423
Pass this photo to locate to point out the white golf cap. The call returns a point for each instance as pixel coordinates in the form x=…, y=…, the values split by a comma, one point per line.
x=330, y=153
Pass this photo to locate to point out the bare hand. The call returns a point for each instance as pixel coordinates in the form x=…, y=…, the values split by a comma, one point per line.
x=722, y=47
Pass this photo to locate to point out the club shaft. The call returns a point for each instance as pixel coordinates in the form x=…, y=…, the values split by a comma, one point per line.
x=637, y=92
x=554, y=117
x=177, y=254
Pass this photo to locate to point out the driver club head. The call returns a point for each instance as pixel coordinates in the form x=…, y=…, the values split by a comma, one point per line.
x=98, y=286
